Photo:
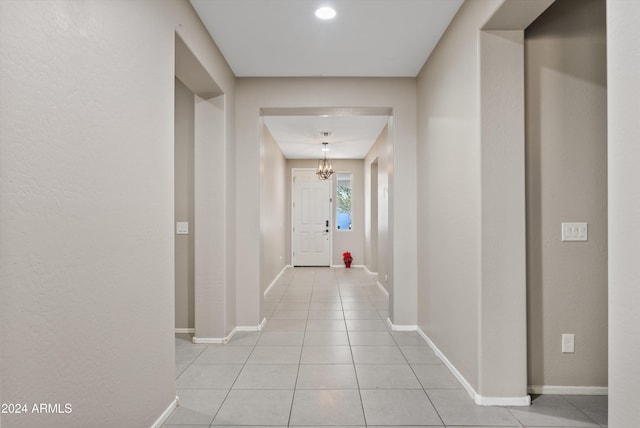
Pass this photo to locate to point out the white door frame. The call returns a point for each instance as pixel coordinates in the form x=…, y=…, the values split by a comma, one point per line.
x=331, y=216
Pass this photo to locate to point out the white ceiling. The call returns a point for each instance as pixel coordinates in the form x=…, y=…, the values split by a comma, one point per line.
x=368, y=38
x=299, y=137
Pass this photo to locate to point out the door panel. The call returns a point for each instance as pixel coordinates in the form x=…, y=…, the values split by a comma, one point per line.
x=311, y=210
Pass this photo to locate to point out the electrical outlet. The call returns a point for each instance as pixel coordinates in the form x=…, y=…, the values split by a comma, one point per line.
x=568, y=343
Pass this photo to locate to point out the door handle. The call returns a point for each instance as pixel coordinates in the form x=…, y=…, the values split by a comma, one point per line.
x=327, y=224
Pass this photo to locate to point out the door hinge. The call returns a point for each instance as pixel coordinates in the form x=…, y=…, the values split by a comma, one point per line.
x=330, y=200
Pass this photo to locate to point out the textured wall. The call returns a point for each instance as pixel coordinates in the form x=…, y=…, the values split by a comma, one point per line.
x=273, y=210
x=448, y=183
x=623, y=63
x=86, y=164
x=471, y=258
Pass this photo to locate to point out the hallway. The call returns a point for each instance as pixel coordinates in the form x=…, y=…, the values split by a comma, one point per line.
x=326, y=357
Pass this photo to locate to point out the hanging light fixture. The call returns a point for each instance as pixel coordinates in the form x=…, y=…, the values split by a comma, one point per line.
x=325, y=167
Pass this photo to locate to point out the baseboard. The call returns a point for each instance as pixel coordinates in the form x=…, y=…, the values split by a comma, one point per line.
x=215, y=340
x=343, y=266
x=165, y=415
x=223, y=340
x=276, y=279
x=384, y=290
x=568, y=390
x=188, y=330
x=395, y=327
x=368, y=271
x=477, y=398
x=258, y=327
x=502, y=401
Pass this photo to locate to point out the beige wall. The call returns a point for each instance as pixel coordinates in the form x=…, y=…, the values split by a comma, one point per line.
x=376, y=196
x=448, y=185
x=567, y=181
x=623, y=63
x=184, y=209
x=348, y=240
x=471, y=229
x=87, y=213
x=273, y=210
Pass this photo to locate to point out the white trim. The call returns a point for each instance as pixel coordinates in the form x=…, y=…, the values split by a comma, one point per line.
x=401, y=327
x=466, y=385
x=502, y=401
x=167, y=412
x=258, y=327
x=215, y=340
x=368, y=271
x=568, y=390
x=384, y=290
x=477, y=398
x=188, y=330
x=276, y=279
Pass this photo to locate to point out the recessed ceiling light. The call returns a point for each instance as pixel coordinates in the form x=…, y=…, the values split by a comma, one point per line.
x=326, y=13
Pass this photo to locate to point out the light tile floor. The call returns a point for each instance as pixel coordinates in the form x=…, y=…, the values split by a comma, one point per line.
x=327, y=358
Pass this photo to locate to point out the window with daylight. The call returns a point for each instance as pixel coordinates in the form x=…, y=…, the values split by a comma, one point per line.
x=343, y=201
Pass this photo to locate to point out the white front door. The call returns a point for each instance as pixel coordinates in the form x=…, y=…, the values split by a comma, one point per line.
x=310, y=219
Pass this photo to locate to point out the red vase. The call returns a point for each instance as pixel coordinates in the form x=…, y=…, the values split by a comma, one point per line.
x=347, y=264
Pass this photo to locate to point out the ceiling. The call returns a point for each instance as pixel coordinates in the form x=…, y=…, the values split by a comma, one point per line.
x=300, y=137
x=367, y=38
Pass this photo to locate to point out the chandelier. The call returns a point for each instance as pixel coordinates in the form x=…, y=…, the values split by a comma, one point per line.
x=325, y=167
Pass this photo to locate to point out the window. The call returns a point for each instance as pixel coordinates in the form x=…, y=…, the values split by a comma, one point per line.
x=343, y=201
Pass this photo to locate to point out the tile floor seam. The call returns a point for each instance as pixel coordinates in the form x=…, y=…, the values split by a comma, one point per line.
x=295, y=385
x=582, y=411
x=353, y=361
x=236, y=378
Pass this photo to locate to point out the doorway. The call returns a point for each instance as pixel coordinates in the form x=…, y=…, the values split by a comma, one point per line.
x=566, y=163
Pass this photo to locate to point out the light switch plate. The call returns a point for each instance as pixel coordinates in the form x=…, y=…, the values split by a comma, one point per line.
x=575, y=232
x=182, y=228
x=568, y=343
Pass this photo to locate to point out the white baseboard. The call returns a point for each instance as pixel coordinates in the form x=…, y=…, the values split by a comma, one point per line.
x=368, y=271
x=223, y=340
x=276, y=279
x=165, y=415
x=568, y=390
x=502, y=401
x=395, y=327
x=384, y=290
x=344, y=267
x=188, y=330
x=477, y=398
x=258, y=327
x=215, y=340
